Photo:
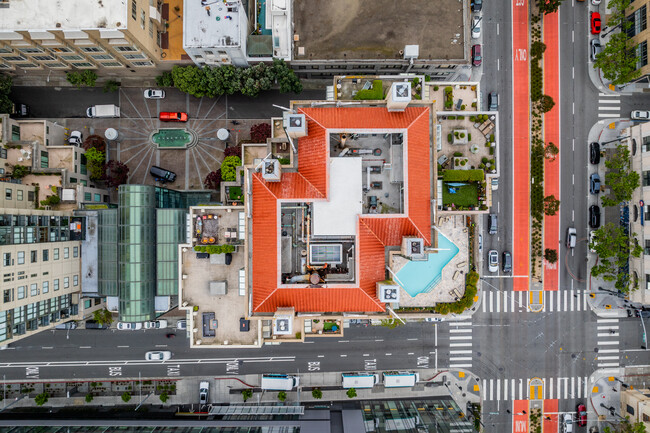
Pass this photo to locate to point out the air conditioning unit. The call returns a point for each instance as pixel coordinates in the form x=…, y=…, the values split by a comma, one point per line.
x=413, y=248
x=271, y=171
x=387, y=291
x=283, y=325
x=294, y=124
x=399, y=96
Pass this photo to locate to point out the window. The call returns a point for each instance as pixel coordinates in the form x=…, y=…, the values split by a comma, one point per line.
x=146, y=63
x=646, y=251
x=92, y=50
x=82, y=64
x=638, y=19
x=6, y=259
x=642, y=53
x=75, y=252
x=138, y=56
x=125, y=48
x=646, y=143
x=646, y=178
x=33, y=256
x=66, y=282
x=61, y=50
x=8, y=193
x=56, y=254
x=8, y=295
x=66, y=253
x=46, y=255
x=3, y=153
x=72, y=57
x=134, y=10
x=629, y=409
x=151, y=28
x=44, y=58
x=33, y=290
x=646, y=418
x=56, y=284
x=45, y=160
x=19, y=195
x=112, y=64
x=46, y=286
x=57, y=65
x=15, y=58
x=102, y=56
x=30, y=50
x=6, y=50
x=97, y=197
x=21, y=292
x=143, y=19
x=75, y=280
x=88, y=196
x=15, y=132
x=21, y=257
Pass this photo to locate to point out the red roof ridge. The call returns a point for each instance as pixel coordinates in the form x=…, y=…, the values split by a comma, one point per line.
x=257, y=308
x=424, y=111
x=262, y=182
x=374, y=299
x=323, y=196
x=361, y=221
x=301, y=110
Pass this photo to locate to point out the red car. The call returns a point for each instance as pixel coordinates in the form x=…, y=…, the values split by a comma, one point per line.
x=582, y=415
x=595, y=23
x=167, y=116
x=476, y=55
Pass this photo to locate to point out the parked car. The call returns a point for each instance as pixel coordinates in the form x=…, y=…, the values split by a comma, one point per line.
x=476, y=55
x=476, y=27
x=592, y=242
x=644, y=314
x=595, y=23
x=93, y=324
x=181, y=324
x=155, y=324
x=640, y=115
x=477, y=5
x=129, y=326
x=506, y=266
x=594, y=183
x=162, y=175
x=75, y=139
x=493, y=261
x=20, y=110
x=595, y=2
x=204, y=392
x=567, y=423
x=492, y=224
x=582, y=415
x=154, y=94
x=434, y=319
x=159, y=355
x=480, y=243
x=67, y=325
x=594, y=216
x=594, y=153
x=596, y=48
x=493, y=101
x=167, y=116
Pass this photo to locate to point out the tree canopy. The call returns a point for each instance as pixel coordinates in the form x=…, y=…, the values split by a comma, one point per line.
x=620, y=178
x=614, y=247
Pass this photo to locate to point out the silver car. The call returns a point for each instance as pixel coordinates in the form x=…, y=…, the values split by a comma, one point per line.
x=640, y=115
x=129, y=326
x=476, y=27
x=159, y=355
x=493, y=261
x=154, y=94
x=596, y=48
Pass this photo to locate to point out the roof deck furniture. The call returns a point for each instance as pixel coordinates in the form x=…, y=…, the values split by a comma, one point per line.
x=208, y=319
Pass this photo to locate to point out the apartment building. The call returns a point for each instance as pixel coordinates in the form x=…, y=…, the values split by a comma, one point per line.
x=74, y=34
x=40, y=264
x=637, y=15
x=638, y=140
x=635, y=405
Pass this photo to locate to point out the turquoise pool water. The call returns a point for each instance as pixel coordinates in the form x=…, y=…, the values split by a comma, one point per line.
x=261, y=18
x=422, y=277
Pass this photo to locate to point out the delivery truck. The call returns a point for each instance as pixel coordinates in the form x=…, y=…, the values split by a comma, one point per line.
x=109, y=110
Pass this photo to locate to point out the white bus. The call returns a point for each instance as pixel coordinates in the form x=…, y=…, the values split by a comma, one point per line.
x=359, y=380
x=399, y=379
x=279, y=382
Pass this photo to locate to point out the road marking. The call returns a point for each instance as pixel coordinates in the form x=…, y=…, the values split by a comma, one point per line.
x=559, y=302
x=459, y=351
x=607, y=358
x=321, y=356
x=512, y=302
x=498, y=65
x=411, y=353
x=491, y=388
x=604, y=115
x=605, y=343
x=460, y=337
x=609, y=101
x=461, y=330
x=124, y=347
x=84, y=347
x=505, y=389
x=572, y=298
x=461, y=324
x=608, y=351
x=412, y=339
x=484, y=302
x=388, y=354
x=344, y=356
x=498, y=296
x=491, y=295
x=47, y=347
x=161, y=345
x=550, y=388
x=380, y=339
x=573, y=107
x=608, y=364
x=607, y=321
x=608, y=327
x=497, y=29
x=608, y=334
x=498, y=390
x=460, y=358
x=460, y=344
x=573, y=36
x=609, y=108
x=573, y=73
x=344, y=341
x=366, y=354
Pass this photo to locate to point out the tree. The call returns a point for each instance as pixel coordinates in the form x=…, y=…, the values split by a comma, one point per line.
x=351, y=393
x=51, y=200
x=317, y=393
x=126, y=397
x=614, y=247
x=89, y=398
x=165, y=79
x=41, y=399
x=550, y=255
x=260, y=132
x=537, y=48
x=20, y=171
x=286, y=77
x=626, y=427
x=96, y=166
x=103, y=317
x=282, y=396
x=6, y=106
x=213, y=180
x=117, y=173
x=549, y=6
x=246, y=394
x=190, y=79
x=111, y=86
x=84, y=78
x=229, y=168
x=96, y=141
x=619, y=178
x=618, y=59
x=551, y=151
x=551, y=205
x=164, y=397
x=546, y=104
x=232, y=151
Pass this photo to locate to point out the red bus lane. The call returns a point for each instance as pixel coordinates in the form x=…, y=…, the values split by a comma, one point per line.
x=550, y=416
x=520, y=416
x=521, y=146
x=552, y=135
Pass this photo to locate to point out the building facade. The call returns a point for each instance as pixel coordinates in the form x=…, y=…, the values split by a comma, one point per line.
x=637, y=16
x=41, y=261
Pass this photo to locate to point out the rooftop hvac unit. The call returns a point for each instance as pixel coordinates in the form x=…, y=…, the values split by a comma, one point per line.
x=294, y=124
x=413, y=248
x=411, y=52
x=388, y=292
x=283, y=325
x=399, y=96
x=271, y=171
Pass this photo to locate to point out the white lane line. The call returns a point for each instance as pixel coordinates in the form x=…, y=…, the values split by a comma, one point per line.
x=47, y=347
x=607, y=358
x=461, y=365
x=491, y=389
x=566, y=387
x=584, y=300
x=411, y=353
x=344, y=341
x=366, y=354
x=585, y=386
x=344, y=356
x=460, y=337
x=84, y=347
x=521, y=388
x=459, y=358
x=321, y=356
x=462, y=344
x=609, y=101
x=607, y=108
x=608, y=334
x=512, y=390
x=491, y=296
x=608, y=364
x=607, y=321
x=607, y=327
x=559, y=301
x=498, y=296
x=460, y=330
x=566, y=297
x=609, y=351
x=388, y=354
x=505, y=389
x=579, y=387
x=573, y=384
x=572, y=300
x=459, y=351
x=124, y=347
x=461, y=324
x=483, y=302
x=498, y=389
x=512, y=302
x=411, y=339
x=550, y=388
x=605, y=343
x=379, y=339
x=484, y=389
x=611, y=371
x=605, y=115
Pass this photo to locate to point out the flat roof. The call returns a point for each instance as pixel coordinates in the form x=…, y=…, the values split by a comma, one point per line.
x=63, y=15
x=219, y=28
x=338, y=215
x=357, y=29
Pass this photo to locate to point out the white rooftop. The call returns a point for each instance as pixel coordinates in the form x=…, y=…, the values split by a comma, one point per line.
x=219, y=28
x=63, y=15
x=338, y=216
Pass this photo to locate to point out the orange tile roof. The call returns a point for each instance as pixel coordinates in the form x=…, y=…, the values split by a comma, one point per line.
x=311, y=182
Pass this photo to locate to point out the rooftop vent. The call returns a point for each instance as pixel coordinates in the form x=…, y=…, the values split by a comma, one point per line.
x=411, y=52
x=294, y=124
x=387, y=292
x=413, y=248
x=283, y=325
x=399, y=96
x=271, y=171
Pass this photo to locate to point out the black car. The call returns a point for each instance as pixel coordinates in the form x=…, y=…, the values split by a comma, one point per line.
x=594, y=152
x=506, y=263
x=493, y=101
x=594, y=216
x=93, y=324
x=477, y=5
x=639, y=313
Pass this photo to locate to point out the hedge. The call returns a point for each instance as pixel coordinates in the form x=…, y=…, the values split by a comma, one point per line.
x=466, y=301
x=377, y=92
x=463, y=175
x=214, y=249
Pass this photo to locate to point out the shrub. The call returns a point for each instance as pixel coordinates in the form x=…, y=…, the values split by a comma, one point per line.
x=458, y=154
x=351, y=393
x=95, y=141
x=259, y=133
x=473, y=104
x=469, y=137
x=537, y=49
x=451, y=117
x=89, y=398
x=435, y=88
x=111, y=86
x=491, y=150
x=546, y=103
x=449, y=104
x=472, y=119
x=448, y=90
x=229, y=168
x=51, y=200
x=284, y=161
x=450, y=138
x=460, y=117
x=462, y=107
x=165, y=80
x=317, y=393
x=492, y=138
x=463, y=175
x=164, y=397
x=83, y=78
x=550, y=255
x=462, y=135
x=20, y=171
x=377, y=92
x=282, y=396
x=41, y=399
x=117, y=173
x=234, y=150
x=126, y=397
x=246, y=394
x=213, y=180
x=214, y=249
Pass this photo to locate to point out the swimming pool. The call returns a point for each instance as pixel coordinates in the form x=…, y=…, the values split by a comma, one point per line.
x=421, y=277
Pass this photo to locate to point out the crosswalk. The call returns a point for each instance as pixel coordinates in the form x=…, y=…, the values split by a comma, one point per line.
x=460, y=344
x=609, y=106
x=554, y=301
x=518, y=389
x=608, y=344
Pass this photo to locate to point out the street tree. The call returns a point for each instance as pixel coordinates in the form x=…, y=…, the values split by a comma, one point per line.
x=550, y=255
x=317, y=393
x=618, y=59
x=286, y=77
x=351, y=393
x=626, y=427
x=551, y=151
x=282, y=396
x=117, y=173
x=614, y=248
x=620, y=178
x=103, y=317
x=190, y=79
x=213, y=180
x=246, y=394
x=546, y=104
x=548, y=6
x=41, y=399
x=618, y=15
x=6, y=106
x=551, y=205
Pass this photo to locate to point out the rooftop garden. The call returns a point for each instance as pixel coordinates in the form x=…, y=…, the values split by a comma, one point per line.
x=463, y=189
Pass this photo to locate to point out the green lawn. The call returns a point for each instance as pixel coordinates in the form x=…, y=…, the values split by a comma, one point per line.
x=235, y=193
x=466, y=195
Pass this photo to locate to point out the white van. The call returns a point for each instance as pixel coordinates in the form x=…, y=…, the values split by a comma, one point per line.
x=359, y=380
x=400, y=379
x=109, y=110
x=279, y=382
